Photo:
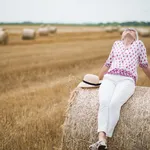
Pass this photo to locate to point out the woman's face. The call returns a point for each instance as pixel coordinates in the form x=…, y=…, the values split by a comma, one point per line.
x=130, y=32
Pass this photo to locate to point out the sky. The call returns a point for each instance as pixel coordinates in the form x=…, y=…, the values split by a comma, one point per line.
x=74, y=11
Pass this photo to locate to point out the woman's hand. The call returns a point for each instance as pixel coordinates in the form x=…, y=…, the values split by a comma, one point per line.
x=103, y=70
x=147, y=71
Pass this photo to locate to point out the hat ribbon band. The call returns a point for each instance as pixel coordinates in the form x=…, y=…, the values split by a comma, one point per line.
x=91, y=83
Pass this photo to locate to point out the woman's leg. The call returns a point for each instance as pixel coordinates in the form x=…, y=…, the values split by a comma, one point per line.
x=123, y=91
x=106, y=91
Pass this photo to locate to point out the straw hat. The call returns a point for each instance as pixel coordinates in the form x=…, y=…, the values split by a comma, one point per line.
x=90, y=80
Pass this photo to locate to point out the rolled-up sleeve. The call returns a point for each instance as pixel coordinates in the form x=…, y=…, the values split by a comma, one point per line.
x=143, y=62
x=110, y=58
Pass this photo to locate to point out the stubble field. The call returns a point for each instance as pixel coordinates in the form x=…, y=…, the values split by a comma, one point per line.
x=37, y=76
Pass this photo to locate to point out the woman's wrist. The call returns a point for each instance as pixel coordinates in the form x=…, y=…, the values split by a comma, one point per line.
x=147, y=71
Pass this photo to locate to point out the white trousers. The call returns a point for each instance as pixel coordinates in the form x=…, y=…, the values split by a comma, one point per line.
x=114, y=91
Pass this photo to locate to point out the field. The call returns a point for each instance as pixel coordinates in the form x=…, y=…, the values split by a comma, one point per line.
x=36, y=79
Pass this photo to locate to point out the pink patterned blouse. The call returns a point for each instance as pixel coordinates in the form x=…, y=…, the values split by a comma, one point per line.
x=124, y=61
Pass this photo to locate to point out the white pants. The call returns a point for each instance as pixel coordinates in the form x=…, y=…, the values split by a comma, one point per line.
x=114, y=91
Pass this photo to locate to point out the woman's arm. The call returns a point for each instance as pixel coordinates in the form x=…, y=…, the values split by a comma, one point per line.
x=103, y=70
x=143, y=61
x=147, y=71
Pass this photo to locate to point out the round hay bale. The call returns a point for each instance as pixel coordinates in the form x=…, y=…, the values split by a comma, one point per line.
x=131, y=133
x=44, y=31
x=144, y=32
x=3, y=37
x=2, y=29
x=108, y=29
x=28, y=34
x=115, y=28
x=121, y=30
x=52, y=30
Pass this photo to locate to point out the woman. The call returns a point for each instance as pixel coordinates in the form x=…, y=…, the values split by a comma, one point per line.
x=119, y=75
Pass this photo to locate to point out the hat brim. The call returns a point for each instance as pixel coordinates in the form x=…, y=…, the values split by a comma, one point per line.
x=82, y=84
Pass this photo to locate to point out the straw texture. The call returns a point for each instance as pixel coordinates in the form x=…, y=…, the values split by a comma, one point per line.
x=131, y=133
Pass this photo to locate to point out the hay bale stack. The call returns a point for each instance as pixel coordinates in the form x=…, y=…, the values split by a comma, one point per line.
x=52, y=30
x=44, y=31
x=28, y=34
x=131, y=133
x=144, y=32
x=3, y=37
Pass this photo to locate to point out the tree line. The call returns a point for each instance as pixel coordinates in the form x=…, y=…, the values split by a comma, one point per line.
x=133, y=23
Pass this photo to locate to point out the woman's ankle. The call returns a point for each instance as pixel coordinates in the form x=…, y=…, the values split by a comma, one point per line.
x=102, y=133
x=102, y=136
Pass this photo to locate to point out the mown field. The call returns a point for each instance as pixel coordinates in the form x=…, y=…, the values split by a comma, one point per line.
x=36, y=78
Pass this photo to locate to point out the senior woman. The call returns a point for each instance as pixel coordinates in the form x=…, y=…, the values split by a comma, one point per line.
x=119, y=75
